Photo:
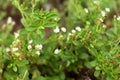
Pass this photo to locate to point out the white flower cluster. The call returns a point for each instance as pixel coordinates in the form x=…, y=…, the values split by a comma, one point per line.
x=10, y=21
x=14, y=48
x=38, y=53
x=78, y=28
x=96, y=2
x=101, y=19
x=86, y=10
x=104, y=26
x=7, y=49
x=38, y=47
x=73, y=31
x=57, y=30
x=29, y=47
x=107, y=9
x=56, y=51
x=103, y=13
x=16, y=34
x=118, y=18
x=30, y=41
x=63, y=29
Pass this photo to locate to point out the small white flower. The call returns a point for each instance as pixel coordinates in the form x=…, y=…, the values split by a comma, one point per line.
x=29, y=47
x=69, y=34
x=16, y=34
x=101, y=19
x=107, y=9
x=118, y=18
x=17, y=54
x=86, y=10
x=14, y=49
x=96, y=2
x=56, y=51
x=73, y=31
x=13, y=23
x=30, y=41
x=78, y=28
x=56, y=30
x=104, y=26
x=103, y=13
x=56, y=19
x=63, y=29
x=9, y=20
x=7, y=49
x=39, y=46
x=38, y=53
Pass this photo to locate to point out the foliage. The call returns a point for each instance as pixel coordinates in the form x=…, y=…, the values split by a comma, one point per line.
x=86, y=42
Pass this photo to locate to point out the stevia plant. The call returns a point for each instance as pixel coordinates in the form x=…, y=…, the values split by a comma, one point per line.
x=86, y=43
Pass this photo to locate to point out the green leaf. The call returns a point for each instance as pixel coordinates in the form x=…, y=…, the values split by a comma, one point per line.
x=41, y=32
x=1, y=70
x=110, y=78
x=30, y=28
x=62, y=76
x=87, y=64
x=76, y=43
x=93, y=63
x=97, y=73
x=83, y=56
x=49, y=16
x=68, y=63
x=15, y=68
x=50, y=24
x=23, y=21
x=92, y=50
